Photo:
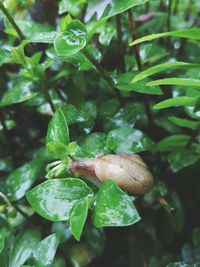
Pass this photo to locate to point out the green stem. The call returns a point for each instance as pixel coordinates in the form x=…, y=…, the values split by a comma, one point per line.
x=46, y=94
x=11, y=20
x=102, y=73
x=139, y=65
x=120, y=43
x=5, y=199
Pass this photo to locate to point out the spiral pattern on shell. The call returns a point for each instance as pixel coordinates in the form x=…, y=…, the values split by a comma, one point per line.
x=128, y=170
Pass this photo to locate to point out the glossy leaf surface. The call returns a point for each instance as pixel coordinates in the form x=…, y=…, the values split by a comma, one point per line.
x=128, y=140
x=113, y=207
x=55, y=198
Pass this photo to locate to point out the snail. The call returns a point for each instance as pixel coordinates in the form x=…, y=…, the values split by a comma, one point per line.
x=128, y=170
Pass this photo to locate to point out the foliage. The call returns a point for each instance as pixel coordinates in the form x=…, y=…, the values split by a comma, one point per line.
x=86, y=78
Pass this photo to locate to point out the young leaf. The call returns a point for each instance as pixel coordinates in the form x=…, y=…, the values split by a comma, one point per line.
x=57, y=149
x=94, y=144
x=78, y=217
x=113, y=207
x=22, y=91
x=73, y=40
x=161, y=67
x=43, y=254
x=184, y=122
x=58, y=129
x=176, y=81
x=127, y=140
x=193, y=33
x=43, y=37
x=69, y=5
x=55, y=198
x=109, y=8
x=171, y=142
x=176, y=102
x=23, y=247
x=123, y=82
x=21, y=179
x=182, y=158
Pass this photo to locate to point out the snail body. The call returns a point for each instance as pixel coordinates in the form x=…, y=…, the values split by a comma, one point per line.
x=128, y=170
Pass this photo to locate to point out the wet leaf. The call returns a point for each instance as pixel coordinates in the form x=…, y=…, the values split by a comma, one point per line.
x=45, y=251
x=58, y=129
x=124, y=83
x=176, y=102
x=72, y=40
x=78, y=217
x=127, y=140
x=55, y=198
x=162, y=67
x=113, y=207
x=182, y=158
x=20, y=92
x=184, y=122
x=21, y=179
x=23, y=246
x=193, y=33
x=176, y=81
x=109, y=8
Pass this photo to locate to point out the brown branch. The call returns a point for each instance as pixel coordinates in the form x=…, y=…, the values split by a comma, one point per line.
x=139, y=65
x=120, y=43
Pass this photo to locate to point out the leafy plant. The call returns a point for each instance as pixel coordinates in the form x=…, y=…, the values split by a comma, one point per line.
x=80, y=79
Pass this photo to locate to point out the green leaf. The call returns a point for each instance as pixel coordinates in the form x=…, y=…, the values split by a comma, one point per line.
x=72, y=40
x=44, y=253
x=72, y=114
x=113, y=207
x=69, y=5
x=184, y=122
x=124, y=83
x=176, y=102
x=109, y=8
x=182, y=158
x=20, y=92
x=176, y=81
x=58, y=129
x=23, y=247
x=3, y=234
x=43, y=37
x=161, y=67
x=21, y=179
x=127, y=140
x=171, y=142
x=78, y=217
x=94, y=144
x=55, y=198
x=57, y=149
x=18, y=55
x=5, y=56
x=182, y=264
x=193, y=33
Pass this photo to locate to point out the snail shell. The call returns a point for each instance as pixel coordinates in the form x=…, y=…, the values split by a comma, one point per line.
x=128, y=171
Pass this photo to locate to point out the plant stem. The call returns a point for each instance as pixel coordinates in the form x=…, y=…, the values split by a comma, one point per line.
x=167, y=206
x=2, y=119
x=103, y=74
x=47, y=95
x=169, y=13
x=11, y=20
x=176, y=7
x=139, y=65
x=120, y=43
